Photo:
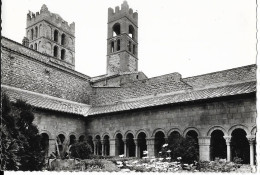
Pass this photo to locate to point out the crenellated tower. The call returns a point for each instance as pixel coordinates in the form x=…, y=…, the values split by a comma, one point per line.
x=48, y=33
x=122, y=40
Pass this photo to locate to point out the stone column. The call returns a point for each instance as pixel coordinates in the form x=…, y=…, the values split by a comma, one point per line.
x=204, y=148
x=95, y=147
x=251, y=140
x=228, y=140
x=125, y=147
x=136, y=148
x=150, y=146
x=166, y=139
x=103, y=148
x=112, y=147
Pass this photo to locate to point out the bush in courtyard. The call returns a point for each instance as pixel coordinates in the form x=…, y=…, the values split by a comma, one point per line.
x=81, y=150
x=21, y=141
x=186, y=148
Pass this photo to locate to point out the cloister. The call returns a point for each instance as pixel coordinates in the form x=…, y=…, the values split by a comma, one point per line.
x=237, y=141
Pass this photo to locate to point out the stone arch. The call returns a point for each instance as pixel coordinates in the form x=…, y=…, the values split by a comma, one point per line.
x=64, y=133
x=131, y=31
x=253, y=130
x=105, y=134
x=56, y=35
x=239, y=126
x=142, y=130
x=97, y=134
x=116, y=29
x=40, y=30
x=172, y=130
x=36, y=32
x=73, y=133
x=47, y=132
x=55, y=51
x=157, y=130
x=127, y=132
x=117, y=132
x=191, y=129
x=217, y=128
x=63, y=39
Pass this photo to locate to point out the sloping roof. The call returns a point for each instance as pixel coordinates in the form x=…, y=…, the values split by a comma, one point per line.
x=192, y=95
x=45, y=101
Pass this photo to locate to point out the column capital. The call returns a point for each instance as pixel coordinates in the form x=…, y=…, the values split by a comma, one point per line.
x=102, y=142
x=228, y=139
x=150, y=141
x=251, y=139
x=136, y=141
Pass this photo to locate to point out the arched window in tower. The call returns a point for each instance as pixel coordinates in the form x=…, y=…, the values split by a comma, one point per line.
x=32, y=34
x=129, y=46
x=118, y=45
x=35, y=46
x=55, y=51
x=112, y=47
x=134, y=49
x=36, y=32
x=131, y=31
x=63, y=39
x=116, y=29
x=62, y=54
x=56, y=33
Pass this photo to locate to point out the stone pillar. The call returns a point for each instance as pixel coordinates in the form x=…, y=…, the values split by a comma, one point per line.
x=136, y=148
x=52, y=146
x=95, y=147
x=103, y=148
x=125, y=147
x=112, y=147
x=251, y=140
x=166, y=139
x=204, y=148
x=228, y=140
x=150, y=146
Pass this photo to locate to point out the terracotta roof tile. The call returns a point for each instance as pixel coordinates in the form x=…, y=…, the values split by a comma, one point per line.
x=46, y=101
x=233, y=89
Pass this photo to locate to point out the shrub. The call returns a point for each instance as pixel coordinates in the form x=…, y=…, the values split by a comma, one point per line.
x=186, y=148
x=81, y=150
x=21, y=141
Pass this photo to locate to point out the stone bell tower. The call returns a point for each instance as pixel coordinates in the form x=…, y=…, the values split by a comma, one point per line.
x=122, y=40
x=48, y=33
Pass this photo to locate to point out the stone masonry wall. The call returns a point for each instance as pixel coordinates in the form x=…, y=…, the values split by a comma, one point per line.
x=28, y=73
x=201, y=115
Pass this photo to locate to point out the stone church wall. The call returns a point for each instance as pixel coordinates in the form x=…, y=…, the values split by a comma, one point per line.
x=28, y=73
x=202, y=116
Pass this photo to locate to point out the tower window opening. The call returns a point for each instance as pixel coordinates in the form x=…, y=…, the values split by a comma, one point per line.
x=55, y=51
x=56, y=33
x=32, y=34
x=63, y=39
x=118, y=45
x=62, y=55
x=116, y=29
x=112, y=46
x=36, y=32
x=31, y=46
x=129, y=46
x=131, y=31
x=134, y=49
x=35, y=46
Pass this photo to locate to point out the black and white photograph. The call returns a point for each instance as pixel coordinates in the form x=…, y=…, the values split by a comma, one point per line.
x=129, y=86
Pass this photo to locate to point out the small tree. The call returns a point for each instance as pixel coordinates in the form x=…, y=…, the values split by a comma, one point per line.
x=21, y=141
x=186, y=148
x=81, y=150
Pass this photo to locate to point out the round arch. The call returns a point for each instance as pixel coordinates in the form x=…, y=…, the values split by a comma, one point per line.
x=217, y=128
x=172, y=130
x=253, y=130
x=191, y=129
x=157, y=130
x=139, y=131
x=73, y=133
x=95, y=135
x=239, y=126
x=117, y=132
x=105, y=134
x=127, y=132
x=48, y=133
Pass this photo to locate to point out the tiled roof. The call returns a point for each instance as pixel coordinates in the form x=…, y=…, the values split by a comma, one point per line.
x=45, y=101
x=191, y=95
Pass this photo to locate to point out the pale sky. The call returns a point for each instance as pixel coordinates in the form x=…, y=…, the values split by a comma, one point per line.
x=191, y=37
